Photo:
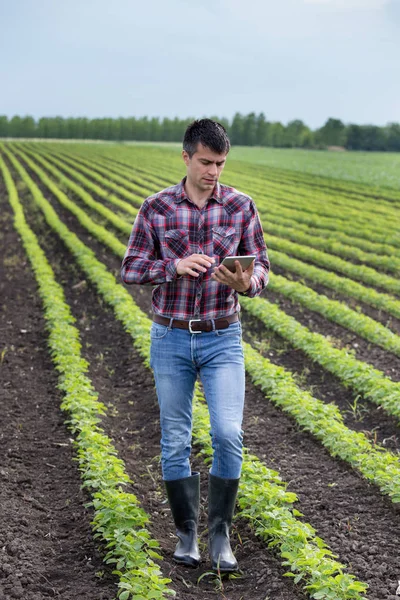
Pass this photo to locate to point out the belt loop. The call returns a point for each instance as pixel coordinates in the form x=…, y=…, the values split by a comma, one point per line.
x=170, y=323
x=213, y=324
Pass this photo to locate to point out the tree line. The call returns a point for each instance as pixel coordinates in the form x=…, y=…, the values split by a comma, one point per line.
x=244, y=130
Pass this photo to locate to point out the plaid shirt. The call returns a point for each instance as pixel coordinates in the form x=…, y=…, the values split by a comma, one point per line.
x=169, y=227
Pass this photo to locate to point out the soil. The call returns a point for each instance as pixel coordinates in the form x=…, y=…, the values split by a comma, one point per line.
x=46, y=545
x=45, y=539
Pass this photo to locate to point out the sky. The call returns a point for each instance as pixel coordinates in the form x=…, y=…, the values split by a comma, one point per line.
x=290, y=59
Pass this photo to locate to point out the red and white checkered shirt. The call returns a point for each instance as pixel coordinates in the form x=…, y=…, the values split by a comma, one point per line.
x=170, y=227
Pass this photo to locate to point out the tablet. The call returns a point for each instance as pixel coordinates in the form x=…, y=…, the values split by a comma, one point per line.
x=245, y=261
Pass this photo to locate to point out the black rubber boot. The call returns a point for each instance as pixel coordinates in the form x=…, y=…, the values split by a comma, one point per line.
x=221, y=505
x=184, y=499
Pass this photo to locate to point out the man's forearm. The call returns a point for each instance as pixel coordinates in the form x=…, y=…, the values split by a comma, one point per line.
x=148, y=272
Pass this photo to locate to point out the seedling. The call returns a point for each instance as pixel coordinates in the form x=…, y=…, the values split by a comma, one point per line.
x=357, y=410
x=2, y=355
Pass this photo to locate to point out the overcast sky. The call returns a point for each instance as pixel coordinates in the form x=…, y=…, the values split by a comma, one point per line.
x=306, y=59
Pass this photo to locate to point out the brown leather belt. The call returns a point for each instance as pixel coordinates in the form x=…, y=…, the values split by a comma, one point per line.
x=196, y=325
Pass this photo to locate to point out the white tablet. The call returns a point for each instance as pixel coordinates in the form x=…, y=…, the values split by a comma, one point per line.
x=245, y=261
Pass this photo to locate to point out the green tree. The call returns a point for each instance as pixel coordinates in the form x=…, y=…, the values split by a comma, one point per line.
x=168, y=130
x=28, y=127
x=332, y=133
x=262, y=131
x=295, y=133
x=155, y=129
x=308, y=139
x=366, y=137
x=250, y=130
x=14, y=127
x=42, y=128
x=354, y=137
x=178, y=129
x=277, y=134
x=374, y=138
x=3, y=126
x=393, y=137
x=237, y=130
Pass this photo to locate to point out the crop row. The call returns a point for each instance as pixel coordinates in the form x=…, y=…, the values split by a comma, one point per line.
x=139, y=191
x=385, y=263
x=350, y=371
x=331, y=280
x=338, y=312
x=362, y=377
x=273, y=180
x=266, y=203
x=301, y=178
x=337, y=283
x=313, y=181
x=278, y=201
x=122, y=172
x=48, y=161
x=118, y=518
x=335, y=311
x=382, y=463
x=374, y=386
x=340, y=244
x=293, y=190
x=308, y=557
x=365, y=294
x=355, y=374
x=270, y=205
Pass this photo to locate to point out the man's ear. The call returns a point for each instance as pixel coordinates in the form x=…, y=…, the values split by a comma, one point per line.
x=186, y=157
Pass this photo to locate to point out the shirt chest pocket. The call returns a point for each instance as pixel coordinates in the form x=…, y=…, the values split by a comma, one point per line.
x=176, y=244
x=224, y=243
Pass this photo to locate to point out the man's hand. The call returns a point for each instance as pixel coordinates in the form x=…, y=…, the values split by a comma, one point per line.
x=194, y=264
x=239, y=280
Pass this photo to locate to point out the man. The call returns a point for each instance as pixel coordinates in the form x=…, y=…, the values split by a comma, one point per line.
x=178, y=241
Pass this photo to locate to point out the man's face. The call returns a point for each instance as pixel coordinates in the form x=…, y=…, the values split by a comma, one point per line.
x=204, y=168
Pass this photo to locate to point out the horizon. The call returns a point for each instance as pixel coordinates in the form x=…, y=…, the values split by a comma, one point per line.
x=161, y=118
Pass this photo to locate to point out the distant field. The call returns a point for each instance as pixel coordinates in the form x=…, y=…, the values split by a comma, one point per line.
x=377, y=169
x=374, y=168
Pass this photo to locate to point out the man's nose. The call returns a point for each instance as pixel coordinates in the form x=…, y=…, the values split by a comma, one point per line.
x=213, y=169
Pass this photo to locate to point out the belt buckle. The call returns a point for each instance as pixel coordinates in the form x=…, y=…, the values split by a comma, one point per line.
x=190, y=325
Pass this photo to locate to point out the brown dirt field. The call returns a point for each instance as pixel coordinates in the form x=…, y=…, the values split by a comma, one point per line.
x=46, y=545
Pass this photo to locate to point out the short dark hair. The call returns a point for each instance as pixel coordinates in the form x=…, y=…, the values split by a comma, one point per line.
x=209, y=133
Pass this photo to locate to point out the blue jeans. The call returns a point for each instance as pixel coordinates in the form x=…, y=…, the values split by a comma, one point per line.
x=177, y=357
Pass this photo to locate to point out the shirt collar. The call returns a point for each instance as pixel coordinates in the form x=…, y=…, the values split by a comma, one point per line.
x=181, y=195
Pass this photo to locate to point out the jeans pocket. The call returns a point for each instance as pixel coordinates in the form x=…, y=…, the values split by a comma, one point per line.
x=158, y=332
